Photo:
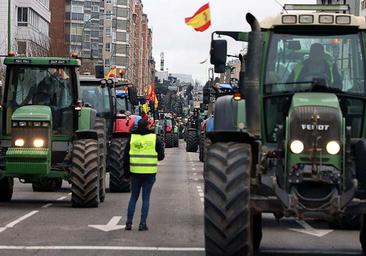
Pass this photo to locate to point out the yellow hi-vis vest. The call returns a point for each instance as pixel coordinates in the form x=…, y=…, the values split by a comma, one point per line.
x=143, y=156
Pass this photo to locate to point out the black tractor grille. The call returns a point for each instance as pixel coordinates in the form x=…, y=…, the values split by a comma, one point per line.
x=302, y=126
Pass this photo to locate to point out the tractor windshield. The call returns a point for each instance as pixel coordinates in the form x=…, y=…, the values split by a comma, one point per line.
x=32, y=85
x=96, y=96
x=296, y=61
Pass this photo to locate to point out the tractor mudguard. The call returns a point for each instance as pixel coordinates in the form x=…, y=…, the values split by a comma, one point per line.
x=86, y=134
x=229, y=115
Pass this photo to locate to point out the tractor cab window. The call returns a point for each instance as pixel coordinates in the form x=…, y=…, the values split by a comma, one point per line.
x=123, y=104
x=95, y=96
x=48, y=86
x=333, y=61
x=313, y=63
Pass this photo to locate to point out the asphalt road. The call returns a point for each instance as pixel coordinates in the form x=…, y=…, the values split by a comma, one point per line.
x=46, y=224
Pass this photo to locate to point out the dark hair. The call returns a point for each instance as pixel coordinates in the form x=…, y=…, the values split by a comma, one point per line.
x=143, y=124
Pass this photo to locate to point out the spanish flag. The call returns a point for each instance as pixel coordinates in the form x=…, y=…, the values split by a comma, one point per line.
x=112, y=73
x=201, y=20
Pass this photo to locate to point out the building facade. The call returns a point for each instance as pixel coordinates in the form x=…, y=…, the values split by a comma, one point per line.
x=30, y=23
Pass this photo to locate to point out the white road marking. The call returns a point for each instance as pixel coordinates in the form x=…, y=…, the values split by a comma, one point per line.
x=61, y=198
x=201, y=194
x=202, y=199
x=309, y=230
x=104, y=248
x=199, y=187
x=195, y=179
x=110, y=226
x=193, y=169
x=17, y=221
x=195, y=173
x=46, y=205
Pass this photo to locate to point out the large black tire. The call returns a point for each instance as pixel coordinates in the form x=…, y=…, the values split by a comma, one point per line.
x=363, y=234
x=227, y=200
x=46, y=185
x=176, y=140
x=85, y=174
x=201, y=148
x=6, y=189
x=208, y=143
x=100, y=127
x=118, y=182
x=192, y=141
x=169, y=140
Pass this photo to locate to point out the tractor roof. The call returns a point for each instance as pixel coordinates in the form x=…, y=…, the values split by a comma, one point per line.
x=296, y=18
x=41, y=61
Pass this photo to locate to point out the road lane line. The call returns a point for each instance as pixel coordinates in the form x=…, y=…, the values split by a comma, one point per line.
x=201, y=194
x=202, y=199
x=61, y=198
x=46, y=206
x=109, y=248
x=195, y=173
x=17, y=221
x=195, y=179
x=199, y=187
x=193, y=169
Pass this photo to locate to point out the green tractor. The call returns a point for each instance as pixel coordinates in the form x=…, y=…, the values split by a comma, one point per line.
x=294, y=142
x=47, y=134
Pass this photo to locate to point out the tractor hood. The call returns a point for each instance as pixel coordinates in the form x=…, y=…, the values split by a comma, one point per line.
x=32, y=113
x=315, y=99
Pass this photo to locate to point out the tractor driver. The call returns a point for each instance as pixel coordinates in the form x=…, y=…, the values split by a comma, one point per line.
x=316, y=66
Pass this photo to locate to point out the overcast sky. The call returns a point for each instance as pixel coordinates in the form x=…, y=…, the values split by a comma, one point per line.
x=185, y=48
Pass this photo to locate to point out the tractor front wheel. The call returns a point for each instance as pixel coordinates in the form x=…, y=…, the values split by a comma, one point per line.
x=176, y=140
x=118, y=181
x=85, y=174
x=100, y=127
x=6, y=189
x=227, y=200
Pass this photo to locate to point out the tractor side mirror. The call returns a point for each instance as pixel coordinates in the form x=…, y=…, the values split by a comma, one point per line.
x=218, y=55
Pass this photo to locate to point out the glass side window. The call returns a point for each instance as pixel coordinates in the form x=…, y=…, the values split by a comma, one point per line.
x=95, y=96
x=295, y=61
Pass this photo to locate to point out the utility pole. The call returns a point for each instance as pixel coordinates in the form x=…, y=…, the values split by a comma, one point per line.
x=9, y=26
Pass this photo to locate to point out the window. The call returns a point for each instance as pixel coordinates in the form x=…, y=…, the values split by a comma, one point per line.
x=107, y=63
x=122, y=12
x=121, y=36
x=108, y=32
x=122, y=2
x=22, y=16
x=22, y=47
x=87, y=17
x=107, y=47
x=108, y=15
x=95, y=8
x=77, y=8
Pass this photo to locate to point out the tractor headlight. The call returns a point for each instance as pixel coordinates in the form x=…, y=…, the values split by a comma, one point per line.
x=15, y=124
x=19, y=143
x=297, y=147
x=22, y=124
x=38, y=143
x=333, y=147
x=45, y=124
x=37, y=124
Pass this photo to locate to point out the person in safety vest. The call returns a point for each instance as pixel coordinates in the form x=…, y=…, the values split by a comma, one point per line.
x=144, y=150
x=316, y=66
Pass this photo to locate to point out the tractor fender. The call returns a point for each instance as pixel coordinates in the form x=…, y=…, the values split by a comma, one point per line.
x=86, y=134
x=229, y=114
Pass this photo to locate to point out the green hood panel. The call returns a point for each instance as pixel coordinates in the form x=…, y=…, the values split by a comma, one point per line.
x=315, y=99
x=32, y=113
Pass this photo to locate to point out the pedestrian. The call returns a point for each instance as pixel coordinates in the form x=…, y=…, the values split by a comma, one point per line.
x=144, y=151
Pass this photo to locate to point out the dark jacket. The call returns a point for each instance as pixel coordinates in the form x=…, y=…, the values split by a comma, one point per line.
x=159, y=147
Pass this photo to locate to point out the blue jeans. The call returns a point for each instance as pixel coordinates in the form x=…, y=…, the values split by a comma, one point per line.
x=138, y=182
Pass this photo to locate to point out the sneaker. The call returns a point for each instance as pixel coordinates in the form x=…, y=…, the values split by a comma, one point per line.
x=128, y=226
x=143, y=227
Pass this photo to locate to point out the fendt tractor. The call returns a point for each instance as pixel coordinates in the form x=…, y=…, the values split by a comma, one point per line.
x=295, y=143
x=47, y=134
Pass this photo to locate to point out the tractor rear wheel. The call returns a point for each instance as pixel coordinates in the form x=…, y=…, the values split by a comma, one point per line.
x=363, y=234
x=227, y=200
x=46, y=185
x=6, y=189
x=192, y=141
x=100, y=127
x=168, y=140
x=118, y=181
x=85, y=174
x=176, y=140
